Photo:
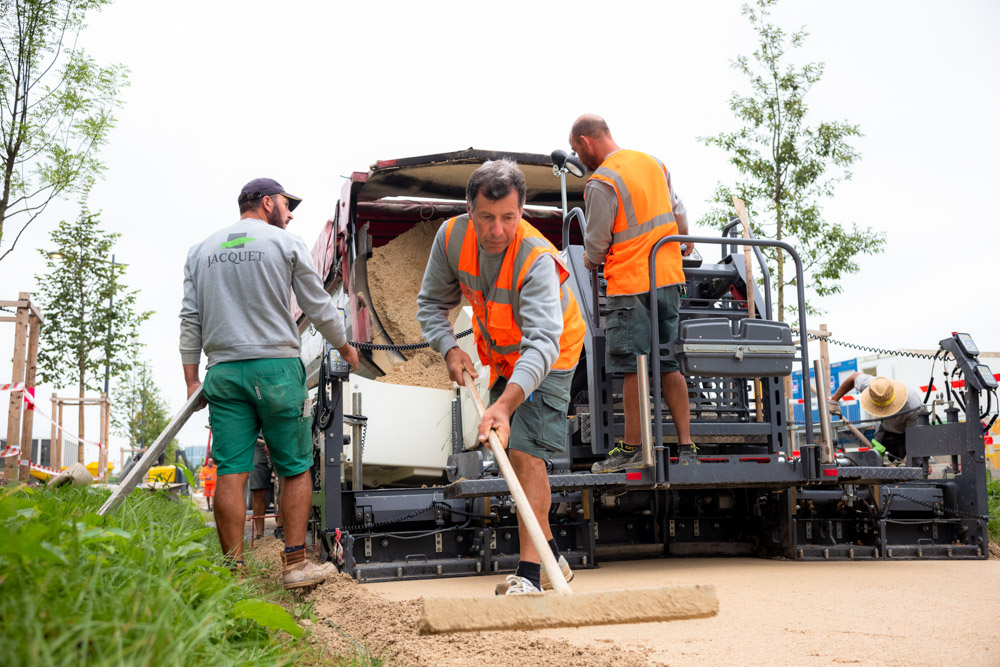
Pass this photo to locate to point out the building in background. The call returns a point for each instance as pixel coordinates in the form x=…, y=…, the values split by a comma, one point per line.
x=195, y=454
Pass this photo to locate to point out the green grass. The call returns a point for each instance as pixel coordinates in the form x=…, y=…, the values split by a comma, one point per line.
x=993, y=496
x=143, y=586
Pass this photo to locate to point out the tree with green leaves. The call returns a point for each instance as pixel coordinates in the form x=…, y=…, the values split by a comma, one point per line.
x=788, y=167
x=85, y=333
x=141, y=413
x=58, y=108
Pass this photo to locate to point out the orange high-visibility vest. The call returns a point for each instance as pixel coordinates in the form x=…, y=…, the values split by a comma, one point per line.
x=645, y=215
x=496, y=308
x=207, y=475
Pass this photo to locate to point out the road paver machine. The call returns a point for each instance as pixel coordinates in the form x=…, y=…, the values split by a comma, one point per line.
x=399, y=493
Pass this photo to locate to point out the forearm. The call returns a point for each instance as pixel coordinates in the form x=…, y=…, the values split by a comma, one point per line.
x=190, y=346
x=191, y=376
x=844, y=387
x=510, y=399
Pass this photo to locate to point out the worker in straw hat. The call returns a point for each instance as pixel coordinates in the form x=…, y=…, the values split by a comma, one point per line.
x=888, y=400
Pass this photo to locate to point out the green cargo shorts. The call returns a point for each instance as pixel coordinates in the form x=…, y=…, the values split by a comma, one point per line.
x=628, y=331
x=538, y=426
x=253, y=396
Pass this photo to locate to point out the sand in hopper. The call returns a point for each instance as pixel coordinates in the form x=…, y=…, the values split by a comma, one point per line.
x=395, y=272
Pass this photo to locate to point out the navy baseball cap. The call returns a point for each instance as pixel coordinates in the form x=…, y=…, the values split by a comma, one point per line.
x=266, y=187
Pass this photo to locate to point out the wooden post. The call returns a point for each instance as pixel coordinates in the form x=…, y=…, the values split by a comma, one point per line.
x=824, y=352
x=28, y=420
x=17, y=397
x=80, y=456
x=59, y=455
x=54, y=459
x=790, y=413
x=102, y=465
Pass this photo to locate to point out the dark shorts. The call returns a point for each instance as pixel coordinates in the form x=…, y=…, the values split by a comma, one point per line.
x=260, y=477
x=894, y=443
x=628, y=331
x=255, y=396
x=538, y=426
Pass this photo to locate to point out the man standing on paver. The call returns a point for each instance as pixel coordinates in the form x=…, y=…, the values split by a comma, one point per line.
x=528, y=331
x=630, y=205
x=237, y=307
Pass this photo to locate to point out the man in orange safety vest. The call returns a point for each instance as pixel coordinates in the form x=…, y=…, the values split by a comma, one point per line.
x=528, y=332
x=630, y=205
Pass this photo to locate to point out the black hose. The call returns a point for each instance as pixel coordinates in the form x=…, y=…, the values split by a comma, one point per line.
x=930, y=383
x=324, y=410
x=398, y=348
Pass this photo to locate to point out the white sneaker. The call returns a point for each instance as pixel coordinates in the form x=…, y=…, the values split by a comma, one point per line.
x=567, y=571
x=519, y=586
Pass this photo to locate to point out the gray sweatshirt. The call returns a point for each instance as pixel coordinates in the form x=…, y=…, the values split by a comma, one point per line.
x=541, y=316
x=237, y=296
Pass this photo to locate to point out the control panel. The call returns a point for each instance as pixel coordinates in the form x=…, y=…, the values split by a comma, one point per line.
x=966, y=345
x=985, y=376
x=335, y=363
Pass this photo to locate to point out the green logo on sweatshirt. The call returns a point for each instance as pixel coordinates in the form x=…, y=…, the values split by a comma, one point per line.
x=237, y=242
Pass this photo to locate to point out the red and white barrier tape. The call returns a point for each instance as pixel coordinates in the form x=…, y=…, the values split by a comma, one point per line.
x=29, y=398
x=16, y=451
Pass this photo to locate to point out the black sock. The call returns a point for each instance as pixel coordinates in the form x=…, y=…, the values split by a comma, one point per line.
x=291, y=550
x=530, y=571
x=554, y=547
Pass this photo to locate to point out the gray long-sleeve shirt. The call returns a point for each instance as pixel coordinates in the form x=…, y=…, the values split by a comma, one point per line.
x=237, y=296
x=601, y=208
x=541, y=316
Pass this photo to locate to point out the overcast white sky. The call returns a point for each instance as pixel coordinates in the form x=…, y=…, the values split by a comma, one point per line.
x=306, y=93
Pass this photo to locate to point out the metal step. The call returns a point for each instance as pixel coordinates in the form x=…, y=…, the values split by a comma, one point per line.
x=497, y=486
x=876, y=474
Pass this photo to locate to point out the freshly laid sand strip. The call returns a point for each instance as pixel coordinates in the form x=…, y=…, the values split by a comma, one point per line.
x=553, y=610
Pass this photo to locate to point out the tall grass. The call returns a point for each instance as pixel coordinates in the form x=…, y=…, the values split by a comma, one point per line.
x=143, y=586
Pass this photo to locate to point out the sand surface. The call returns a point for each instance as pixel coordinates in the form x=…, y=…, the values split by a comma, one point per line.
x=771, y=613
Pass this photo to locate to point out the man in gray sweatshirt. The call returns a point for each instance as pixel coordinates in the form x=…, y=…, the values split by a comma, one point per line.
x=528, y=331
x=237, y=307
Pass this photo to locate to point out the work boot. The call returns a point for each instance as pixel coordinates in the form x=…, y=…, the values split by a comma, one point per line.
x=619, y=458
x=519, y=586
x=502, y=587
x=299, y=572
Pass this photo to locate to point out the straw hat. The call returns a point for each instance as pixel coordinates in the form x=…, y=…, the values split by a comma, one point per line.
x=884, y=397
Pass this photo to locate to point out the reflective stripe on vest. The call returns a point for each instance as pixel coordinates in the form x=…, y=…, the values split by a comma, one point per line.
x=645, y=215
x=496, y=307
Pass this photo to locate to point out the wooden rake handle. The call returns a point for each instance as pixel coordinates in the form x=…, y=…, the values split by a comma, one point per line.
x=524, y=511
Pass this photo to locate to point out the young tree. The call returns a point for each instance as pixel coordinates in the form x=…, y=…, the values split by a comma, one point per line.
x=789, y=167
x=84, y=333
x=58, y=108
